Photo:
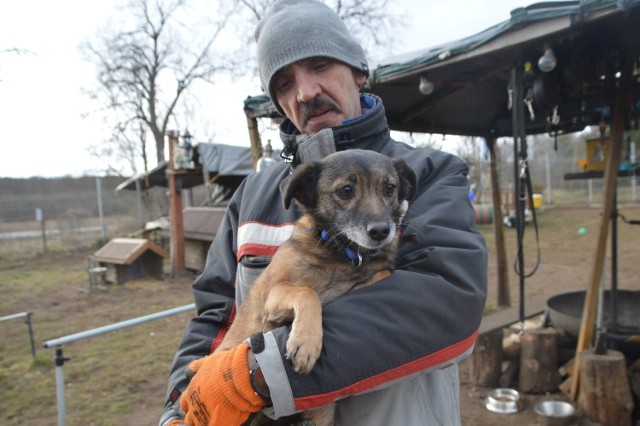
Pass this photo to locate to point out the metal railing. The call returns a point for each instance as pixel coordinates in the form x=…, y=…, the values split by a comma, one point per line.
x=26, y=315
x=60, y=359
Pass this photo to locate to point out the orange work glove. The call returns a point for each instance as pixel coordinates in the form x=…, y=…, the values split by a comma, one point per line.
x=220, y=391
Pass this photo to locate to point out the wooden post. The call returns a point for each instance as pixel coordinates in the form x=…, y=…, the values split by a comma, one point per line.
x=612, y=162
x=175, y=209
x=254, y=138
x=605, y=394
x=485, y=362
x=504, y=296
x=634, y=382
x=43, y=228
x=539, y=361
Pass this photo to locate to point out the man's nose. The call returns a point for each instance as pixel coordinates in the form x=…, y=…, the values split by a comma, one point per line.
x=308, y=88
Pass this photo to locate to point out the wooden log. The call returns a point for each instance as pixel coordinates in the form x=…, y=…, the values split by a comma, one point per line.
x=634, y=378
x=511, y=346
x=604, y=391
x=539, y=361
x=509, y=374
x=566, y=373
x=485, y=362
x=634, y=381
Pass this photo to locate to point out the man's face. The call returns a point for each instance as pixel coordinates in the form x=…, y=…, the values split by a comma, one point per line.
x=318, y=93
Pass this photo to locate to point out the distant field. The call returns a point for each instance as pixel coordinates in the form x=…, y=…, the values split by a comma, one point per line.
x=61, y=235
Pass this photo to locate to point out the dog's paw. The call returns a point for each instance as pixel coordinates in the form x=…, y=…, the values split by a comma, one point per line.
x=303, y=351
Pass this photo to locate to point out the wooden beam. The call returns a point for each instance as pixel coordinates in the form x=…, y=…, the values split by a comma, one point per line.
x=175, y=210
x=254, y=139
x=612, y=163
x=504, y=295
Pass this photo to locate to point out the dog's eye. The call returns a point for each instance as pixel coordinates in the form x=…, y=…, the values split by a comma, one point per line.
x=389, y=189
x=345, y=192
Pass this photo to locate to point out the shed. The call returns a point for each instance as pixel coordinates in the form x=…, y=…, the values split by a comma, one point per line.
x=200, y=227
x=593, y=43
x=129, y=259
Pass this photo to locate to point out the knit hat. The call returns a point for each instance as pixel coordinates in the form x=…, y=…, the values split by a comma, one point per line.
x=292, y=30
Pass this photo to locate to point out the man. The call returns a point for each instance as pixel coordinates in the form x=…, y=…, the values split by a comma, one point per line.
x=390, y=351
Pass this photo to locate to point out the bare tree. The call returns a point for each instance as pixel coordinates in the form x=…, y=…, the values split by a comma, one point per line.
x=145, y=67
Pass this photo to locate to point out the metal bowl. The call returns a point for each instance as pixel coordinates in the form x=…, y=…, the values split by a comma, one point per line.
x=503, y=401
x=555, y=413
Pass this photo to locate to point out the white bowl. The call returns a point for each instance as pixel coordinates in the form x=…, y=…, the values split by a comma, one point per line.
x=503, y=401
x=555, y=412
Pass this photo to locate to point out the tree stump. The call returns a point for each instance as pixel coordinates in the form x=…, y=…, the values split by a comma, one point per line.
x=539, y=361
x=485, y=362
x=604, y=391
x=634, y=377
x=509, y=373
x=634, y=381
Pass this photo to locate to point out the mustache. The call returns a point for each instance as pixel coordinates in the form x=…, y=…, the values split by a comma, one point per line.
x=320, y=103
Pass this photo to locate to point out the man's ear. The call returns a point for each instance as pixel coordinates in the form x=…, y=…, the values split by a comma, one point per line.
x=359, y=78
x=408, y=180
x=301, y=185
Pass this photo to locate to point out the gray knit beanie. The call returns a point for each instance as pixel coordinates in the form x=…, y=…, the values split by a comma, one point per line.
x=292, y=30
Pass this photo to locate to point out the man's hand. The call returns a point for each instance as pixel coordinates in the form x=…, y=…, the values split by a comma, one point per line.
x=220, y=391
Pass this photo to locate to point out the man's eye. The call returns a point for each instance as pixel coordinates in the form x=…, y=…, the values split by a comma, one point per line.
x=345, y=192
x=282, y=85
x=321, y=66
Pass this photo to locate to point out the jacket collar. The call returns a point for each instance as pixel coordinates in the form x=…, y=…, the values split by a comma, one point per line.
x=368, y=131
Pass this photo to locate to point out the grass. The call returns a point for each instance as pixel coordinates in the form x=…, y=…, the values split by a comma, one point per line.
x=111, y=378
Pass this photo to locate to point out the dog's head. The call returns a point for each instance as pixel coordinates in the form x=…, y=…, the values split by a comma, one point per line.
x=355, y=194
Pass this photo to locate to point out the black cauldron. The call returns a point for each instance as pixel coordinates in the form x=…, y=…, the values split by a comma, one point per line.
x=565, y=313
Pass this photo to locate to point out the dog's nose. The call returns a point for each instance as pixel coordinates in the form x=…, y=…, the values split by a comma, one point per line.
x=378, y=231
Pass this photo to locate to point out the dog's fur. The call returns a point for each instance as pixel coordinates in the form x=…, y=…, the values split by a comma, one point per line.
x=358, y=198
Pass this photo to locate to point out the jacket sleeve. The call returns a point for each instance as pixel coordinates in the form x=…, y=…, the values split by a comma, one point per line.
x=425, y=315
x=214, y=296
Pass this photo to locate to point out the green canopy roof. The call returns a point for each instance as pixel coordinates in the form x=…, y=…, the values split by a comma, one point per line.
x=592, y=41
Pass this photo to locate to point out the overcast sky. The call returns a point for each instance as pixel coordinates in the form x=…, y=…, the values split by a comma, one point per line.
x=41, y=104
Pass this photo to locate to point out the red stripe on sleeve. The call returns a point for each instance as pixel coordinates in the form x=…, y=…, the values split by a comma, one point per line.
x=450, y=352
x=223, y=330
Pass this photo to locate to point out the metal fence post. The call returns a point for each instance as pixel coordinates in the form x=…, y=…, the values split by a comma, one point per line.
x=33, y=345
x=28, y=322
x=59, y=361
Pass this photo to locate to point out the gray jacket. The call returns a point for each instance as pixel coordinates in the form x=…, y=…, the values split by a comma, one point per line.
x=390, y=351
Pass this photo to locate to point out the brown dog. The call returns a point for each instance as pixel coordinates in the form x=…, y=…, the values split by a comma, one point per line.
x=353, y=202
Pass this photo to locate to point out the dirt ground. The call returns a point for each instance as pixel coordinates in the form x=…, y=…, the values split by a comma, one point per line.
x=568, y=237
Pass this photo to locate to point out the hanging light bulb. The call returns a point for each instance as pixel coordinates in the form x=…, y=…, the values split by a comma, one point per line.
x=548, y=61
x=426, y=87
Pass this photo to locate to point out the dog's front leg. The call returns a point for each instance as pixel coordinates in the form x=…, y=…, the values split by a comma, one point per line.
x=302, y=305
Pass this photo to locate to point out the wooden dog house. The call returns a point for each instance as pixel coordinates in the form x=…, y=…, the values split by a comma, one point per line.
x=200, y=226
x=129, y=259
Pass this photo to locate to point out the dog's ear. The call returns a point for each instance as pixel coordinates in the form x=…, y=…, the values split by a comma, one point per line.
x=301, y=185
x=408, y=180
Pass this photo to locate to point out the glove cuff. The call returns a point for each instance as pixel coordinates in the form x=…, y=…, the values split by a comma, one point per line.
x=246, y=398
